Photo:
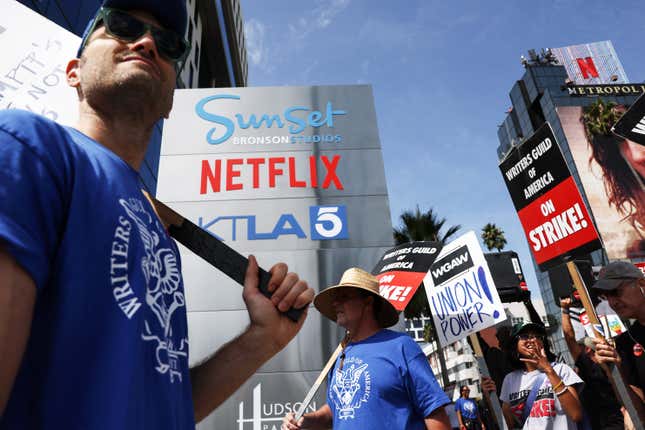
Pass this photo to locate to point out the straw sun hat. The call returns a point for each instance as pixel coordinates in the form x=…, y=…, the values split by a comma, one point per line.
x=387, y=314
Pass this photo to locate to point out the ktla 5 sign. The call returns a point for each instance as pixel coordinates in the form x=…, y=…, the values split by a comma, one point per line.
x=554, y=217
x=326, y=223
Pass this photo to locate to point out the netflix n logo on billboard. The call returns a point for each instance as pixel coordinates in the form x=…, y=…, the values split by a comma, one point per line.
x=587, y=68
x=553, y=215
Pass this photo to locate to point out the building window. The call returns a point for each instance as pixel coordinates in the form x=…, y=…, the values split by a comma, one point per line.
x=517, y=320
x=192, y=72
x=190, y=30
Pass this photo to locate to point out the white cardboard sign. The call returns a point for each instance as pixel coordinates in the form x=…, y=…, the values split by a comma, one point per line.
x=35, y=52
x=461, y=293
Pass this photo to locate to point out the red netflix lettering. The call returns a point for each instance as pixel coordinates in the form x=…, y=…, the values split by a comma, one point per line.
x=313, y=172
x=255, y=162
x=331, y=172
x=230, y=174
x=273, y=170
x=293, y=182
x=257, y=172
x=587, y=67
x=212, y=177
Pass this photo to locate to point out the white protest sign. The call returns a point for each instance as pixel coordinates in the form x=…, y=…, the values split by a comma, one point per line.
x=461, y=293
x=35, y=52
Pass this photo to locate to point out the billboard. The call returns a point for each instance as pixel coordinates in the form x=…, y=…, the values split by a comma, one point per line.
x=611, y=172
x=291, y=174
x=548, y=203
x=591, y=63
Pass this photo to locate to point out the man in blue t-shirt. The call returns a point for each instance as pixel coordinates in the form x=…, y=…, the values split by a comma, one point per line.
x=93, y=324
x=382, y=379
x=467, y=412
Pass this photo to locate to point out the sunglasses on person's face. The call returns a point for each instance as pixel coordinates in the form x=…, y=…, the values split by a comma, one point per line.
x=128, y=28
x=529, y=336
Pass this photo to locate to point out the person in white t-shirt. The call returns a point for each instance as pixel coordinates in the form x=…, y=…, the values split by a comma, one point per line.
x=555, y=404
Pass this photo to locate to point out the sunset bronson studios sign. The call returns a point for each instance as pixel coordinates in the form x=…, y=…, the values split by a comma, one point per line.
x=291, y=174
x=552, y=212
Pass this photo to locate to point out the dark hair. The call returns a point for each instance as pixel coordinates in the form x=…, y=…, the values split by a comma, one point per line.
x=461, y=388
x=621, y=184
x=514, y=356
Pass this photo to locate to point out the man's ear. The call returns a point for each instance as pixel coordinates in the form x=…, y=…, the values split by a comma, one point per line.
x=73, y=73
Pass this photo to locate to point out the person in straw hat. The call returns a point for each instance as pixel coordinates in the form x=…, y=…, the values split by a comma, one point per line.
x=382, y=379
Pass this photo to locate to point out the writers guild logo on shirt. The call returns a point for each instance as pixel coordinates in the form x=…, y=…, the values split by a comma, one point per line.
x=267, y=415
x=469, y=407
x=160, y=270
x=351, y=387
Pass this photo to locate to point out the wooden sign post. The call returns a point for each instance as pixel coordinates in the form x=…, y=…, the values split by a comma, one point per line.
x=483, y=369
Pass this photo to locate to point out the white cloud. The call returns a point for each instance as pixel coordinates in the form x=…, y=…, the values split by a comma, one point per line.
x=322, y=16
x=257, y=51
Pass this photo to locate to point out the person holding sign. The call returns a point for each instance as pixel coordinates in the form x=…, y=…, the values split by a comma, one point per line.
x=382, y=379
x=598, y=398
x=93, y=323
x=623, y=286
x=539, y=394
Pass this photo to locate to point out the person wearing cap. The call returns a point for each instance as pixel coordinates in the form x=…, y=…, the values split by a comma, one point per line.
x=93, y=323
x=623, y=286
x=382, y=379
x=598, y=399
x=539, y=393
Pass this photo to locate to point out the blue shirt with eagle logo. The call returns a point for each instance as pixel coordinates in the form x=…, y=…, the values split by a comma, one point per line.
x=108, y=347
x=385, y=382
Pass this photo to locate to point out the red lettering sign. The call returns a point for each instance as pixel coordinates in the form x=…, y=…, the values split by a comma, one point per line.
x=399, y=287
x=587, y=67
x=557, y=222
x=256, y=172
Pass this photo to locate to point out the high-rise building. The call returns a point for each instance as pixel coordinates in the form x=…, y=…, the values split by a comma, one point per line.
x=558, y=86
x=217, y=58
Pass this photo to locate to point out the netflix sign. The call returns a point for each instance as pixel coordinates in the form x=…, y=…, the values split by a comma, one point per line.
x=554, y=217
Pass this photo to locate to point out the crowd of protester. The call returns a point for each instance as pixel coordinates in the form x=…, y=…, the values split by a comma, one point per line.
x=538, y=390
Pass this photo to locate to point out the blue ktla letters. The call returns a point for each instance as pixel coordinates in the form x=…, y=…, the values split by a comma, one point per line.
x=326, y=223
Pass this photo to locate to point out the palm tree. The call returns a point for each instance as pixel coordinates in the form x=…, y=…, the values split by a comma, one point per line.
x=600, y=117
x=493, y=237
x=419, y=225
x=424, y=226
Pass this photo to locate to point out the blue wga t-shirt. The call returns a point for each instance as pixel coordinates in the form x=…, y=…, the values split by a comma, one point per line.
x=467, y=407
x=109, y=346
x=385, y=382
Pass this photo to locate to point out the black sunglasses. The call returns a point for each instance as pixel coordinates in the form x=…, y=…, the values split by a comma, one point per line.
x=126, y=27
x=530, y=336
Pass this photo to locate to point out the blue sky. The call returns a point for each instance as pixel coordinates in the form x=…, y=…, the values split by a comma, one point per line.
x=441, y=73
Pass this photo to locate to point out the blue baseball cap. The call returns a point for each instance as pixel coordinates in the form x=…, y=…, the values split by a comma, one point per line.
x=171, y=14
